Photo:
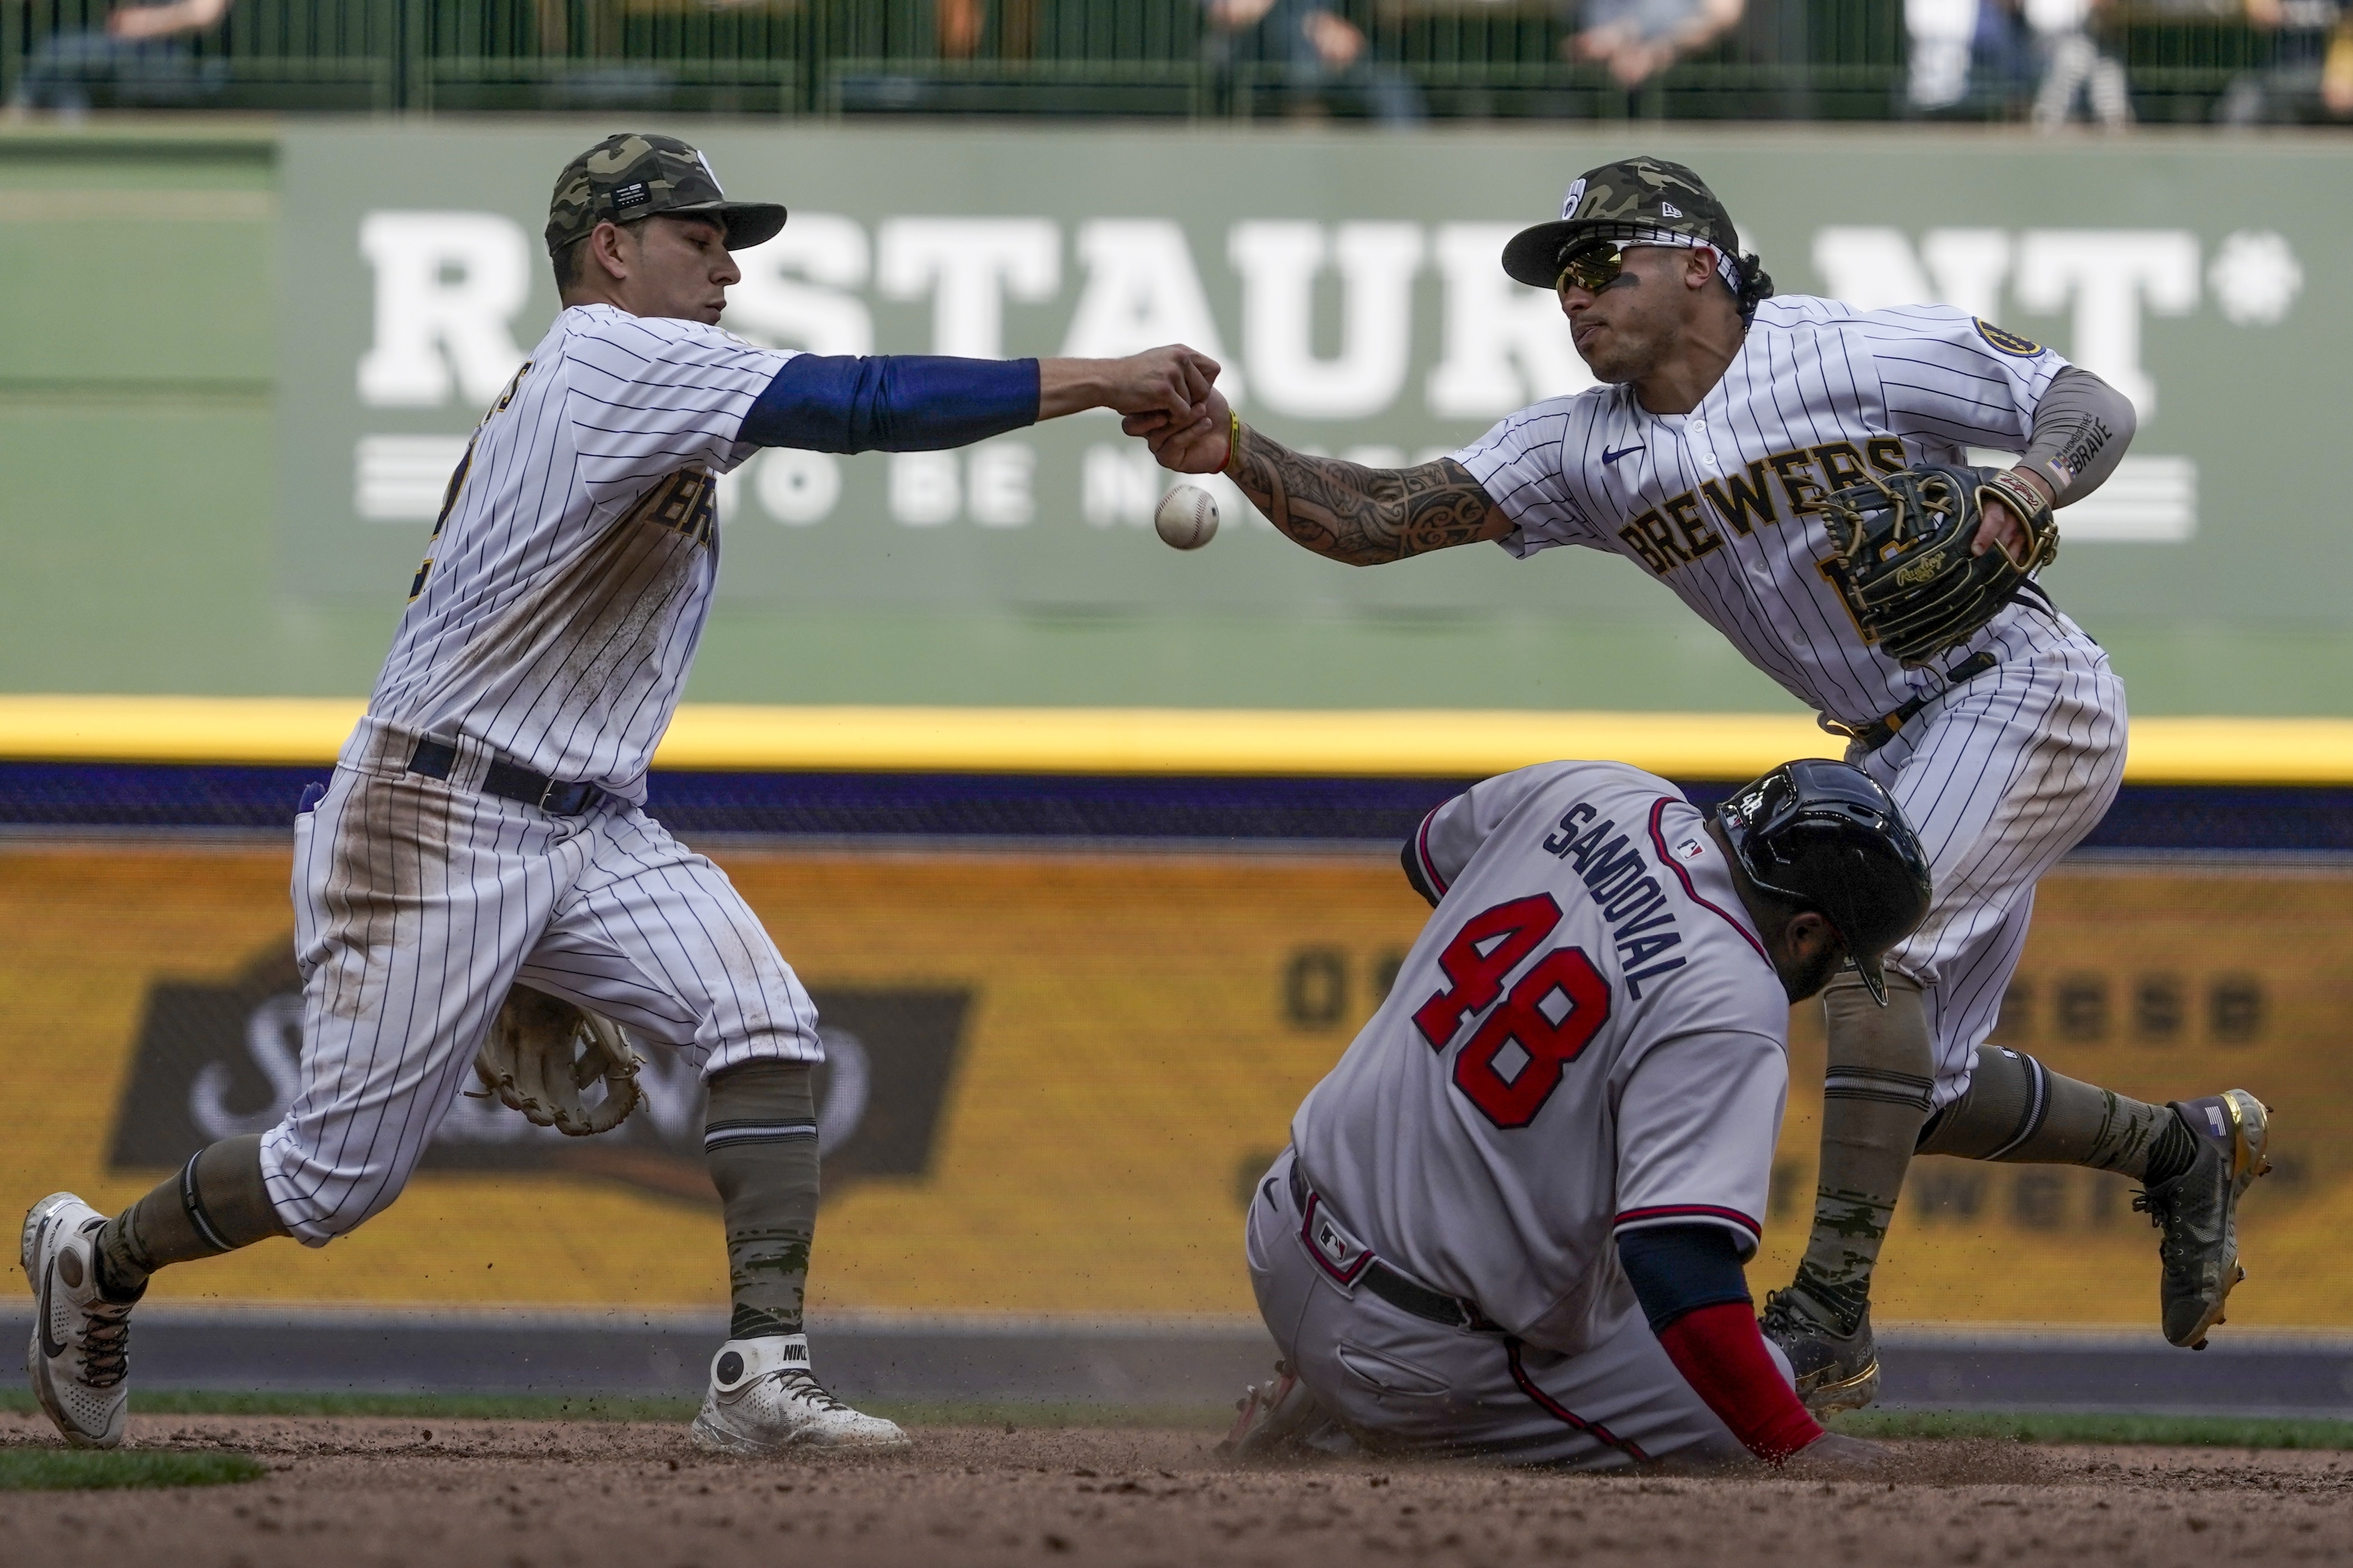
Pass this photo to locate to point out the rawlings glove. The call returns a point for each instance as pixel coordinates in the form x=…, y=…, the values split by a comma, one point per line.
x=1904, y=561
x=541, y=1053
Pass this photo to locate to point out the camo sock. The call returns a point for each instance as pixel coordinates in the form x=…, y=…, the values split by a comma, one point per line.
x=1874, y=1098
x=760, y=1136
x=2021, y=1113
x=215, y=1205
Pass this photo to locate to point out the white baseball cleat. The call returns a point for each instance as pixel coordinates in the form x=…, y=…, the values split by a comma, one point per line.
x=762, y=1400
x=79, y=1357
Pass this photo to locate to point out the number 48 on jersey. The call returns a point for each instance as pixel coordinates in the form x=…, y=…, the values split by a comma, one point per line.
x=1551, y=1014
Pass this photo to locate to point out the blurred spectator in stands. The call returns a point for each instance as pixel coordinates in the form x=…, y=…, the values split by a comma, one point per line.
x=2072, y=66
x=1639, y=38
x=1941, y=31
x=141, y=57
x=959, y=23
x=1969, y=58
x=1324, y=57
x=2311, y=74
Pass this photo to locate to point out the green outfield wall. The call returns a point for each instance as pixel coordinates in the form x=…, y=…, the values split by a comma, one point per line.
x=237, y=361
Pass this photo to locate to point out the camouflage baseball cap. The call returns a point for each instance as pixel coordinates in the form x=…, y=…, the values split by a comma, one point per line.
x=636, y=175
x=1631, y=201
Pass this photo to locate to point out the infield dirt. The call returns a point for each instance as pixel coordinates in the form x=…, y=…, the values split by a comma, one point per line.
x=352, y=1493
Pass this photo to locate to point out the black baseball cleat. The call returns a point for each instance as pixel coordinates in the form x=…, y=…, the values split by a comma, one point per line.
x=2197, y=1211
x=1834, y=1370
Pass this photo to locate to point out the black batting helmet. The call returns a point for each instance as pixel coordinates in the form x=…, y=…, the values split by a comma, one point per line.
x=1825, y=835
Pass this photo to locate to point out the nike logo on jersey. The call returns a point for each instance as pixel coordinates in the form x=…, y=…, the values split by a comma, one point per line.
x=1609, y=456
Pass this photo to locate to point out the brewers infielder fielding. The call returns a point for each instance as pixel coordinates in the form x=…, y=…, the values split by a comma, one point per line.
x=1512, y=1220
x=1790, y=469
x=483, y=829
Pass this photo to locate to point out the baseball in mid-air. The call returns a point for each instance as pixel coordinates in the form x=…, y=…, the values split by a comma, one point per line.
x=1186, y=518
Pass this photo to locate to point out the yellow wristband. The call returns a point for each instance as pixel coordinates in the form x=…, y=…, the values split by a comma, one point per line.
x=1233, y=441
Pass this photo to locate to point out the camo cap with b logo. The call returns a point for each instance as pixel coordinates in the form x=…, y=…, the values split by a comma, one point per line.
x=637, y=174
x=1631, y=201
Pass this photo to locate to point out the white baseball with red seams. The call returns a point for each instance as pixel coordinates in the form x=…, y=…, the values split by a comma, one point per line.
x=1999, y=775
x=1186, y=518
x=1588, y=1037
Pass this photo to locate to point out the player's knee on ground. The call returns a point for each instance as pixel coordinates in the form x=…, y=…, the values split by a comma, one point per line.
x=760, y=1137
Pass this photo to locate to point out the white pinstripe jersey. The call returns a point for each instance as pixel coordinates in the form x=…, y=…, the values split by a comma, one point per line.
x=1586, y=1039
x=566, y=585
x=1722, y=503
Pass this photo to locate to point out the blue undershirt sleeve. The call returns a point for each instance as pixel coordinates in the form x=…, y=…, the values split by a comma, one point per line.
x=892, y=403
x=1679, y=1269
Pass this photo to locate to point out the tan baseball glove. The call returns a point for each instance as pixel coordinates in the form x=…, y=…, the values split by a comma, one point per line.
x=542, y=1053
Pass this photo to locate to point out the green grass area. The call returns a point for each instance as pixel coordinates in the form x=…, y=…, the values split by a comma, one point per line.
x=2181, y=1431
x=88, y=1470
x=2173, y=1431
x=591, y=1407
x=445, y=1406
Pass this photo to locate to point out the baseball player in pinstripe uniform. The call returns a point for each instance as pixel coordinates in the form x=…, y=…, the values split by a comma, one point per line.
x=1726, y=419
x=485, y=830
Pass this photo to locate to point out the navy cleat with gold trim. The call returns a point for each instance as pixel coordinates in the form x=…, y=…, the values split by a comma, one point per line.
x=1834, y=1370
x=2197, y=1211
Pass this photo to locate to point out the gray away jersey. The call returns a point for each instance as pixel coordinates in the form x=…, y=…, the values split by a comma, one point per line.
x=567, y=581
x=1723, y=504
x=1586, y=1038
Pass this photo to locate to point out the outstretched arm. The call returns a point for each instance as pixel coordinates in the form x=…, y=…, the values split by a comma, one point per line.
x=914, y=403
x=1345, y=511
x=1172, y=382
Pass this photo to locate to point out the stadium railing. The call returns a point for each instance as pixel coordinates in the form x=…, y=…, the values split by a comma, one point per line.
x=1449, y=58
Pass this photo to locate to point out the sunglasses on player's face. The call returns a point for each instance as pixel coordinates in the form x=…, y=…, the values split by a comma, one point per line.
x=1591, y=267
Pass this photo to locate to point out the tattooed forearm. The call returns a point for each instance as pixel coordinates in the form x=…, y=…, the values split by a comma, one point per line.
x=1359, y=515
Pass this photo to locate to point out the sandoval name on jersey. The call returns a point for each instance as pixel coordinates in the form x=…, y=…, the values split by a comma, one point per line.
x=1586, y=1038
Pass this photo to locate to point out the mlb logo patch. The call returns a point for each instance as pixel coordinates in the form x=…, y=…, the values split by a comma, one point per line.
x=1337, y=1253
x=1689, y=849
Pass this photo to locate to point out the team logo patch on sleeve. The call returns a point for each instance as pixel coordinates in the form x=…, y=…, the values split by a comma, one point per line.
x=2008, y=342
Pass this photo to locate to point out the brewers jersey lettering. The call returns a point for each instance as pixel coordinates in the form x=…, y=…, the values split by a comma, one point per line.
x=2000, y=775
x=1587, y=1038
x=1721, y=504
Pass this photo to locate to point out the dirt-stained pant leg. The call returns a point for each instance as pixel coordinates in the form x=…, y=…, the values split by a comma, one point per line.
x=656, y=938
x=1998, y=780
x=1420, y=1385
x=415, y=902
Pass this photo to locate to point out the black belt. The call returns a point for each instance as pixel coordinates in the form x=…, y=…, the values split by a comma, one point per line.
x=1433, y=1306
x=433, y=758
x=1880, y=730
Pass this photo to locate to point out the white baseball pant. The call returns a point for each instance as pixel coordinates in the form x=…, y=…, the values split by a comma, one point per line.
x=420, y=902
x=1999, y=778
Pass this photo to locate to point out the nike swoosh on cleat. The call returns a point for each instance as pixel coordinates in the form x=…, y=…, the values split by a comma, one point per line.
x=1609, y=456
x=51, y=1348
